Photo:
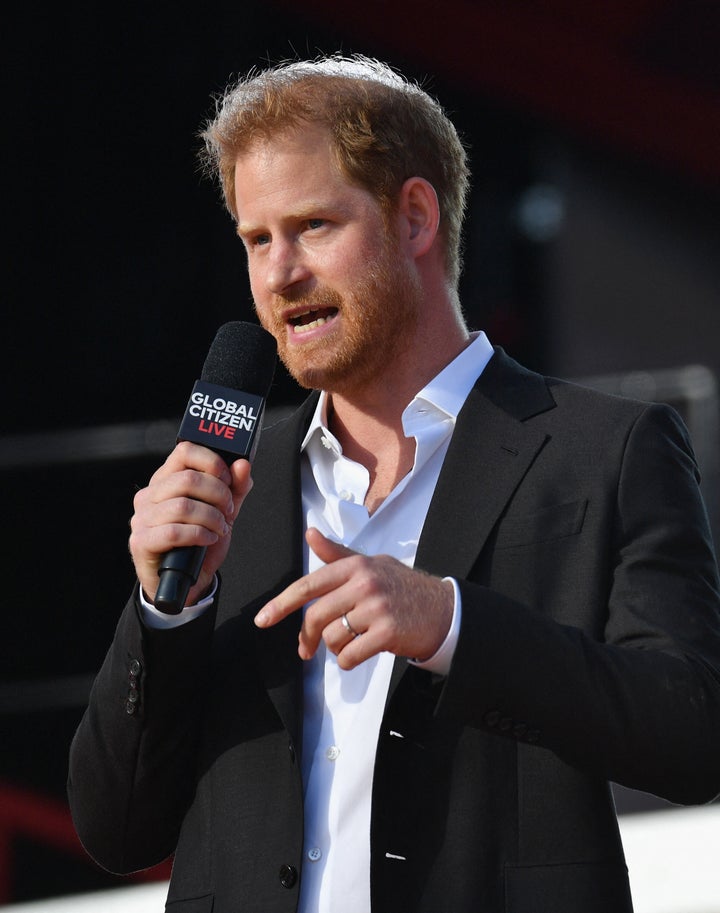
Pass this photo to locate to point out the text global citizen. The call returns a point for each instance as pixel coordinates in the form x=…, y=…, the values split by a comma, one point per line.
x=221, y=412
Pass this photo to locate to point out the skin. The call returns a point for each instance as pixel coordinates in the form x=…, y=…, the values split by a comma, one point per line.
x=318, y=246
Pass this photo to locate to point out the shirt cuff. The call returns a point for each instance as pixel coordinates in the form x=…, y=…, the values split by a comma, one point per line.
x=154, y=618
x=440, y=661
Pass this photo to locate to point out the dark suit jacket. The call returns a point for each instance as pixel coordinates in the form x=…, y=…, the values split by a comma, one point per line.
x=589, y=652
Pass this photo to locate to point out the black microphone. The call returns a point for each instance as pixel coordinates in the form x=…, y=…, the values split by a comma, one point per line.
x=224, y=413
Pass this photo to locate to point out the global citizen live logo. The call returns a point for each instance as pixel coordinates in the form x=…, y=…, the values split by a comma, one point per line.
x=222, y=419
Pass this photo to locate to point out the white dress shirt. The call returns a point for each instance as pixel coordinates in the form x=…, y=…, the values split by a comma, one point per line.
x=343, y=709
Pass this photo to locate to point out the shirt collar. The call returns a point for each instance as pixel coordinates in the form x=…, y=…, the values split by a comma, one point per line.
x=446, y=392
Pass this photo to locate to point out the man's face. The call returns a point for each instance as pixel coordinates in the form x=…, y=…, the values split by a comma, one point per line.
x=328, y=278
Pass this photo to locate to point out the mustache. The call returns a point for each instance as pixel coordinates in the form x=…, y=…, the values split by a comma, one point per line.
x=315, y=299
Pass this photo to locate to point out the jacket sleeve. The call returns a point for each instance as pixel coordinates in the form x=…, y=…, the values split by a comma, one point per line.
x=615, y=665
x=132, y=766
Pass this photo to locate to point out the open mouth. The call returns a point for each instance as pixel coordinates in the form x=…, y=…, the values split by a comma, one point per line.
x=312, y=319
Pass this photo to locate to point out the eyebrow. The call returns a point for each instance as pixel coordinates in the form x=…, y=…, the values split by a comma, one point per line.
x=313, y=210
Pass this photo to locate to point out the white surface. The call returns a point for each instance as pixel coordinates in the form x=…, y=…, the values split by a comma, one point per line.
x=673, y=857
x=145, y=898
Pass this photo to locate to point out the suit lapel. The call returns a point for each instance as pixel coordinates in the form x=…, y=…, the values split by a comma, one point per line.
x=491, y=450
x=278, y=562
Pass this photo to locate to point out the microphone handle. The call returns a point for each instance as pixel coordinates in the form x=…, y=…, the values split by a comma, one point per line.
x=178, y=572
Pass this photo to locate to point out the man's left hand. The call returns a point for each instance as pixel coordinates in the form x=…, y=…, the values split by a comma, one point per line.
x=386, y=605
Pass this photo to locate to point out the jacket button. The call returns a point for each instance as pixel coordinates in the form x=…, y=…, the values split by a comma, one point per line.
x=492, y=717
x=135, y=668
x=505, y=724
x=288, y=876
x=519, y=730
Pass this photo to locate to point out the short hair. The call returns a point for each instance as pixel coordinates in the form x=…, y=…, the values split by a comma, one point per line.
x=384, y=130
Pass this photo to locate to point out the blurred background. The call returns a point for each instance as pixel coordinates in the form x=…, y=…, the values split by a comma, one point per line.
x=592, y=253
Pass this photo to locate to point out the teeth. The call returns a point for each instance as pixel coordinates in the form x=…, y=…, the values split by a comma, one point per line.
x=314, y=324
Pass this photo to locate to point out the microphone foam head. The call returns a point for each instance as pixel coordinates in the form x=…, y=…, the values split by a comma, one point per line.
x=243, y=357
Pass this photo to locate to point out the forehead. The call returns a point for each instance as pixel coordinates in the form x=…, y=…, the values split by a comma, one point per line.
x=294, y=166
x=304, y=146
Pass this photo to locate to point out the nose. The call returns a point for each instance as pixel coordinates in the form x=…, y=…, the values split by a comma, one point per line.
x=285, y=266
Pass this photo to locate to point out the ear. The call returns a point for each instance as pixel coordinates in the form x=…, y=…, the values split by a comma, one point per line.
x=419, y=212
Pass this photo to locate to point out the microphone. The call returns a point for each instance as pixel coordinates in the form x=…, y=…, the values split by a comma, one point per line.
x=224, y=413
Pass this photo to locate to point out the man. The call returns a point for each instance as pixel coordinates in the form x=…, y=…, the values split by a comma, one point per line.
x=458, y=601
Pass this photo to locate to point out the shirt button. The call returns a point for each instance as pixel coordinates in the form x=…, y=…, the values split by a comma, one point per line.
x=314, y=853
x=332, y=753
x=346, y=495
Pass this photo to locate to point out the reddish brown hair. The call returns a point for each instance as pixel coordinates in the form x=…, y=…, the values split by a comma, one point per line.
x=384, y=130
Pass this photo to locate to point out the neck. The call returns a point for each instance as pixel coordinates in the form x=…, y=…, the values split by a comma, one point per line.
x=377, y=442
x=368, y=421
x=376, y=405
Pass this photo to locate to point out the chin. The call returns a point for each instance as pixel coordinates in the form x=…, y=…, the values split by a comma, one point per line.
x=332, y=378
x=315, y=379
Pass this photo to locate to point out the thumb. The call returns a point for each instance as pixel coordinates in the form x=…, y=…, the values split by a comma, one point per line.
x=326, y=550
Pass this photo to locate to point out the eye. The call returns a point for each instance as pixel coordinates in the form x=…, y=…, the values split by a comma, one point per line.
x=315, y=223
x=251, y=241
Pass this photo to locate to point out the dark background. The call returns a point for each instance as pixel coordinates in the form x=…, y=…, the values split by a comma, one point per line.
x=593, y=252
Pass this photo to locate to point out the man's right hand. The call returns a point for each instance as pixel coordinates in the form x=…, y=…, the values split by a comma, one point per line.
x=193, y=499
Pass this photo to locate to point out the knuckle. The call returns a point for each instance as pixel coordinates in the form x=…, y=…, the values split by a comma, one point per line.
x=179, y=508
x=367, y=583
x=376, y=614
x=189, y=480
x=362, y=564
x=139, y=499
x=304, y=590
x=174, y=536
